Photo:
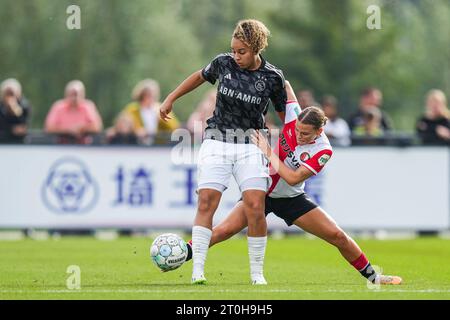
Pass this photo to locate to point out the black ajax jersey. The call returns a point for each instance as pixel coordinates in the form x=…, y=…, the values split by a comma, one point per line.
x=242, y=95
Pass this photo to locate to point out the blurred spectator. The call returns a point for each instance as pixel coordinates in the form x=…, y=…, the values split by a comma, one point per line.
x=434, y=126
x=369, y=110
x=306, y=98
x=122, y=131
x=336, y=128
x=74, y=119
x=372, y=126
x=204, y=111
x=144, y=112
x=197, y=121
x=14, y=112
x=370, y=132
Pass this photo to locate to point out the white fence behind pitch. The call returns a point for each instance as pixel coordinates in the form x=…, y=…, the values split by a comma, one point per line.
x=133, y=187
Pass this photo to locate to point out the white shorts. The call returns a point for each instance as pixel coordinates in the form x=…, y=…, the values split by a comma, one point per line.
x=218, y=161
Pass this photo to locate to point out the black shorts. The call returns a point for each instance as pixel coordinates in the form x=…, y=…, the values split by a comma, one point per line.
x=290, y=209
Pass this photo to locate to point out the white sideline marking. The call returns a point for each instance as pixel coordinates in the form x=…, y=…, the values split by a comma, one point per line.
x=228, y=291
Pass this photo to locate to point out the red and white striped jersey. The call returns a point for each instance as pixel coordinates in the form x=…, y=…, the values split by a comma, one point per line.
x=313, y=156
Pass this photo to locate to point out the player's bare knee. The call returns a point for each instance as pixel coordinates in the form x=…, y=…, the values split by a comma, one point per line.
x=203, y=207
x=205, y=204
x=218, y=233
x=339, y=239
x=222, y=233
x=256, y=221
x=254, y=207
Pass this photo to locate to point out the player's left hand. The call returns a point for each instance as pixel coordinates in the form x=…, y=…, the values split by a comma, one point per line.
x=260, y=140
x=165, y=109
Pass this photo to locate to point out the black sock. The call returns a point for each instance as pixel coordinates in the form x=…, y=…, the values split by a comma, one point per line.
x=369, y=273
x=189, y=255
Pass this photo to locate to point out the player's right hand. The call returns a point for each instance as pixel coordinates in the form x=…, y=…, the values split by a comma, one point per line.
x=261, y=142
x=165, y=109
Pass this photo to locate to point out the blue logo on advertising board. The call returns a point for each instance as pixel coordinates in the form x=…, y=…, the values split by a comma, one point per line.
x=69, y=187
x=134, y=188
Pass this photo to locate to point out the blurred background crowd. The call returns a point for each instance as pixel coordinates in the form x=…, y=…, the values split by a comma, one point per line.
x=103, y=84
x=75, y=119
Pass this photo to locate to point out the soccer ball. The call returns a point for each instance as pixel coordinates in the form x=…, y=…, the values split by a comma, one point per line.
x=168, y=251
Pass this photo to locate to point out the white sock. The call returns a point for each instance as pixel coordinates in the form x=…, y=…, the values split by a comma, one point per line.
x=201, y=237
x=256, y=251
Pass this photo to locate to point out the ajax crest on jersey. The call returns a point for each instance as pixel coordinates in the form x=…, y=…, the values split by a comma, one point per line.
x=260, y=85
x=168, y=251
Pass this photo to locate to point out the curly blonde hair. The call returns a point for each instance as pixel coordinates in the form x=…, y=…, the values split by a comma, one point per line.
x=253, y=33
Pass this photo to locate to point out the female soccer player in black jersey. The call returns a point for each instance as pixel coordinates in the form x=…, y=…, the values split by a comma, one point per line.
x=246, y=84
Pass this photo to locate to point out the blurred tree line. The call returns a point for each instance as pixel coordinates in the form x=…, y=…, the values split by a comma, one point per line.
x=323, y=45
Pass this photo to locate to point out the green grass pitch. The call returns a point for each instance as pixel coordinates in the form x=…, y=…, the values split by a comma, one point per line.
x=296, y=267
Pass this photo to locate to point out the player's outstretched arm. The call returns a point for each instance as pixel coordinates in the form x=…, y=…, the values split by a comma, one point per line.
x=290, y=98
x=189, y=84
x=290, y=92
x=281, y=115
x=292, y=177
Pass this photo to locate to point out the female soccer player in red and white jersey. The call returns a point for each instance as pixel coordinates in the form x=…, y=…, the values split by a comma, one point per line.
x=302, y=151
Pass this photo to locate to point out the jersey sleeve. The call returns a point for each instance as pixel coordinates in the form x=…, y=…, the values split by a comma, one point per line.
x=318, y=161
x=288, y=132
x=279, y=95
x=211, y=72
x=293, y=110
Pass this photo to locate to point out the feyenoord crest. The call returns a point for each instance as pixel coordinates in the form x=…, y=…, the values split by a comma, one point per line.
x=305, y=156
x=260, y=85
